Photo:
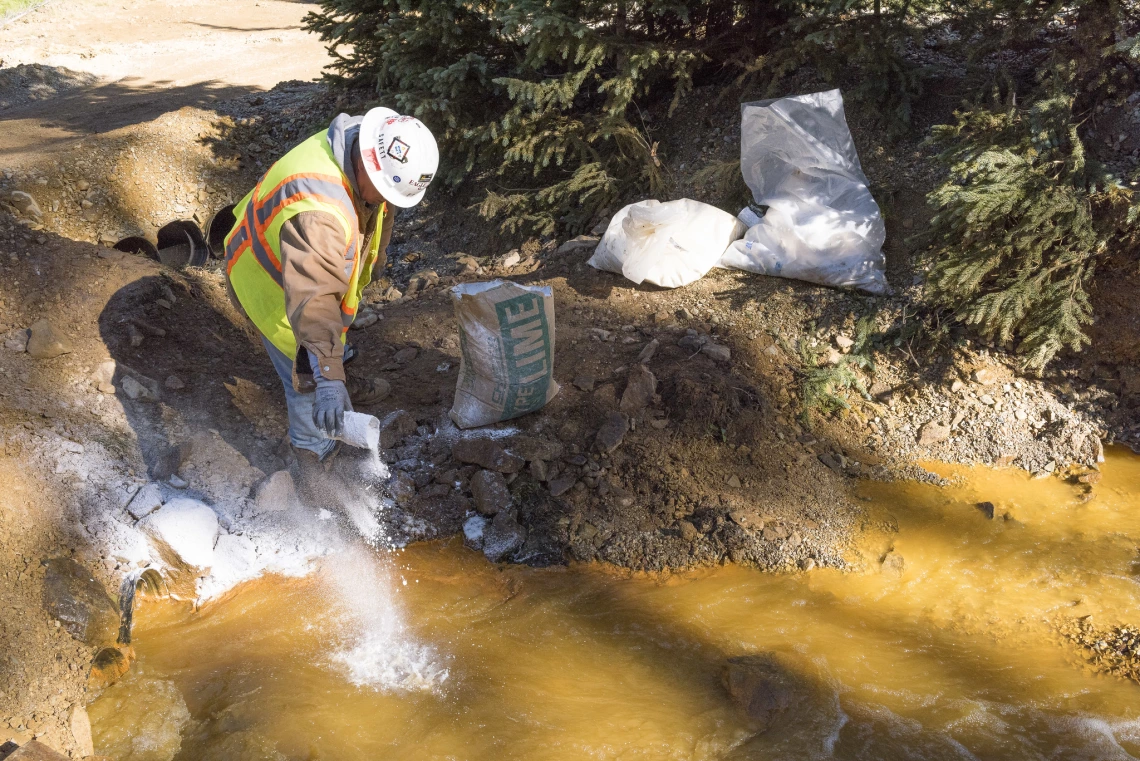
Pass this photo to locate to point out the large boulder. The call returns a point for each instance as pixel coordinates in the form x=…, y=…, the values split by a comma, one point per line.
x=79, y=602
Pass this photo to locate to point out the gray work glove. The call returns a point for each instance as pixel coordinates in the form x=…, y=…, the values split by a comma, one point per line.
x=331, y=403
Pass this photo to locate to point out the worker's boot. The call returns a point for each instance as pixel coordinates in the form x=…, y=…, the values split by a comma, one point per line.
x=312, y=474
x=367, y=391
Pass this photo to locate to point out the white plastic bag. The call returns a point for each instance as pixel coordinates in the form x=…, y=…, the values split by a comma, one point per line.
x=822, y=225
x=667, y=244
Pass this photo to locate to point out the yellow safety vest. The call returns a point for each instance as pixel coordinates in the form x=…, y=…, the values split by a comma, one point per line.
x=307, y=178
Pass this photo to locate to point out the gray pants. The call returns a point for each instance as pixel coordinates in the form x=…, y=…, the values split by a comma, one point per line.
x=302, y=432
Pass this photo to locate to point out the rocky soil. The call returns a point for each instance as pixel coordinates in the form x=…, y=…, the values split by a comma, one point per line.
x=133, y=393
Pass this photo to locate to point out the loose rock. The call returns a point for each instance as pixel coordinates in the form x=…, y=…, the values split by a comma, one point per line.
x=718, y=352
x=503, y=537
x=103, y=376
x=406, y=355
x=24, y=205
x=933, y=433
x=73, y=597
x=692, y=342
x=532, y=448
x=421, y=280
x=146, y=501
x=893, y=564
x=574, y=245
x=760, y=686
x=365, y=320
x=473, y=530
x=80, y=725
x=639, y=390
x=689, y=532
x=486, y=453
x=612, y=432
x=45, y=342
x=562, y=484
x=135, y=390
x=394, y=427
x=490, y=492
x=402, y=488
x=648, y=351
x=584, y=383
x=276, y=492
x=17, y=341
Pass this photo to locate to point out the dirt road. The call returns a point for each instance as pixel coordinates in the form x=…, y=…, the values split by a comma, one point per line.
x=112, y=64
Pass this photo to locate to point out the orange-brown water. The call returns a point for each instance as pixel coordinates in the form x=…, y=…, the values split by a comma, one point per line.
x=956, y=657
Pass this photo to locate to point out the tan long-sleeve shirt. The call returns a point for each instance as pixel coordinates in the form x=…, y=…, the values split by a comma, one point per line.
x=315, y=276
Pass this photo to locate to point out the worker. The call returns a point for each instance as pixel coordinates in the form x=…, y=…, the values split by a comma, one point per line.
x=307, y=241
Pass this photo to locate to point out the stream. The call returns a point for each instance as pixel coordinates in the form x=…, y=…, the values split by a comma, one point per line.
x=947, y=650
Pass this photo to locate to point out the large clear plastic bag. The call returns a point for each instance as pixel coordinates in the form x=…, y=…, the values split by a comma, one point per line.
x=822, y=225
x=667, y=244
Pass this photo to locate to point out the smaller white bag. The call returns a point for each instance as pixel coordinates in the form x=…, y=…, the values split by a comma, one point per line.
x=667, y=244
x=361, y=431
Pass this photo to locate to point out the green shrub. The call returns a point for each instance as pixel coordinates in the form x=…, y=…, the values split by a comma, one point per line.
x=1023, y=217
x=824, y=387
x=549, y=101
x=544, y=99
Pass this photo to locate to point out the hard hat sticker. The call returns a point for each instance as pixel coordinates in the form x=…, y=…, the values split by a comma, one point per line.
x=370, y=155
x=426, y=178
x=398, y=150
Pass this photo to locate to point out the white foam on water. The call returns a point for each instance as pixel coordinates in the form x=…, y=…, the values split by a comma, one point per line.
x=1099, y=736
x=375, y=649
x=832, y=738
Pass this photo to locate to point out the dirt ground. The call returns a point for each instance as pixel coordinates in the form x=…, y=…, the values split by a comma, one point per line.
x=117, y=119
x=126, y=63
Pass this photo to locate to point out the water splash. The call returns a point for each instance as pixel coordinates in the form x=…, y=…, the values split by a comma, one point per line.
x=375, y=648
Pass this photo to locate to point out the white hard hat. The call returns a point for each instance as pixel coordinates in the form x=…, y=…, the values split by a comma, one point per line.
x=399, y=154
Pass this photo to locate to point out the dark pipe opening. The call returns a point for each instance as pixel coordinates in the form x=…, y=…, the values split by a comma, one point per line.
x=181, y=244
x=136, y=244
x=220, y=225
